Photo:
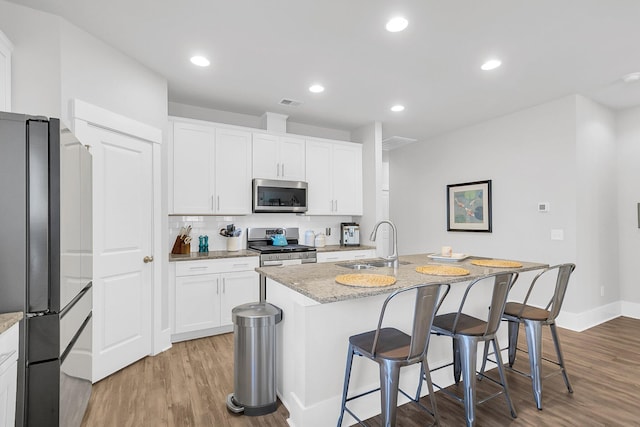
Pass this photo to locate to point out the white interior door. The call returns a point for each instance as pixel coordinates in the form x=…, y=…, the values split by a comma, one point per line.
x=123, y=221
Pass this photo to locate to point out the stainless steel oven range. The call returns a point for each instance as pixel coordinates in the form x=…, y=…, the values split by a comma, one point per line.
x=278, y=246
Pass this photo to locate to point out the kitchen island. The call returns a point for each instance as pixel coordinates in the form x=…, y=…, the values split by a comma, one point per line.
x=319, y=315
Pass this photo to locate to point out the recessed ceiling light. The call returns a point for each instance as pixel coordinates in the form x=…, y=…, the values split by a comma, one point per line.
x=397, y=108
x=631, y=78
x=491, y=64
x=397, y=24
x=200, y=61
x=316, y=88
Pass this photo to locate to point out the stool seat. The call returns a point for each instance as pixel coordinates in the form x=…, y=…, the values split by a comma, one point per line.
x=467, y=325
x=523, y=311
x=392, y=343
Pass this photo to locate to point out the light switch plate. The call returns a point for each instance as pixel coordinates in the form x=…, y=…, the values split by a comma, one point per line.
x=557, y=234
x=543, y=206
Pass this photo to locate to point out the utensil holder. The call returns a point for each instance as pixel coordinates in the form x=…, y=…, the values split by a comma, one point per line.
x=233, y=244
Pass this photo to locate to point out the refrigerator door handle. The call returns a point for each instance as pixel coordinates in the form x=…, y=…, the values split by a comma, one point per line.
x=38, y=211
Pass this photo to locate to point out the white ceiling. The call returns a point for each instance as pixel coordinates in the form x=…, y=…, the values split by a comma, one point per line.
x=264, y=50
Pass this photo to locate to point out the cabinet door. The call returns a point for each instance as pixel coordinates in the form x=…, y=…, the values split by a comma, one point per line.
x=232, y=172
x=318, y=170
x=193, y=179
x=197, y=302
x=237, y=289
x=347, y=179
x=265, y=156
x=292, y=159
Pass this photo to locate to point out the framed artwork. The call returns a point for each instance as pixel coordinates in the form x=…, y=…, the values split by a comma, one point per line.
x=469, y=206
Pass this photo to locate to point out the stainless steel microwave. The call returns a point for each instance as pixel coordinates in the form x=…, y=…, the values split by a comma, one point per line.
x=270, y=195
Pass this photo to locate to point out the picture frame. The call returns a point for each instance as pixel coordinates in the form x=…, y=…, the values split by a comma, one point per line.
x=469, y=206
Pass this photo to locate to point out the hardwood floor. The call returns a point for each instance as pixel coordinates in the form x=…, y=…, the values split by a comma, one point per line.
x=188, y=384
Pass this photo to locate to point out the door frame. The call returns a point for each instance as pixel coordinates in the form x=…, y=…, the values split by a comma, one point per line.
x=83, y=114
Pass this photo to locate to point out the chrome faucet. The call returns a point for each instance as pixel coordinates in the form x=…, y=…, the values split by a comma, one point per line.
x=394, y=256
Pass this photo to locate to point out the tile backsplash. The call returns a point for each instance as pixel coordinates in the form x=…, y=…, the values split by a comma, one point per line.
x=211, y=225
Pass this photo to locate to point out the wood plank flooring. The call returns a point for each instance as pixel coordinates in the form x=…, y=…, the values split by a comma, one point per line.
x=188, y=384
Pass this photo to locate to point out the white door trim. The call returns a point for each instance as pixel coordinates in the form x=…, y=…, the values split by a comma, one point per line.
x=100, y=117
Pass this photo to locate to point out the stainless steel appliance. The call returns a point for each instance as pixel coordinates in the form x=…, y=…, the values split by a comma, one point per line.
x=270, y=195
x=261, y=240
x=46, y=266
x=349, y=234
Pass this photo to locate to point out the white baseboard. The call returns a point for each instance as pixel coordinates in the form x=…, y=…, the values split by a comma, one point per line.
x=631, y=309
x=588, y=319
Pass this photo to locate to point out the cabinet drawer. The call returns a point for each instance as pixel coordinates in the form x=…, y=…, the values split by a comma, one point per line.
x=212, y=266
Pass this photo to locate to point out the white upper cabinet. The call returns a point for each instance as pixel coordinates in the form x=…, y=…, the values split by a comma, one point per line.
x=210, y=170
x=334, y=175
x=5, y=72
x=233, y=172
x=193, y=178
x=278, y=157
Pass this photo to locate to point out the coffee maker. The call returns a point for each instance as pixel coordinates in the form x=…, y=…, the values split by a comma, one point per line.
x=349, y=234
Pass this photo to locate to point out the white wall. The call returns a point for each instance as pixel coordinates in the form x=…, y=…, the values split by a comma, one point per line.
x=628, y=161
x=370, y=136
x=530, y=156
x=35, y=75
x=514, y=152
x=100, y=75
x=247, y=120
x=596, y=213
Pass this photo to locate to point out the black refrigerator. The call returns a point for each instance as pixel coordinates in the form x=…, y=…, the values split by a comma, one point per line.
x=46, y=266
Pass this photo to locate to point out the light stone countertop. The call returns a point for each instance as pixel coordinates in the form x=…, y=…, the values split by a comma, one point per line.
x=317, y=281
x=194, y=256
x=7, y=320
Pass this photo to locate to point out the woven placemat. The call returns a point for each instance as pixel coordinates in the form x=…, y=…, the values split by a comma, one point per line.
x=366, y=280
x=442, y=270
x=496, y=263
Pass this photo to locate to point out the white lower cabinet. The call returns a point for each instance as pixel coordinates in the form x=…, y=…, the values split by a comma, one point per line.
x=346, y=255
x=8, y=376
x=206, y=291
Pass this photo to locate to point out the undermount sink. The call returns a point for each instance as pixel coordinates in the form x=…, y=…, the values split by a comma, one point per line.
x=369, y=264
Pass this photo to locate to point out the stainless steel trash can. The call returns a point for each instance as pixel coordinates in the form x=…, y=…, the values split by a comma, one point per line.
x=254, y=357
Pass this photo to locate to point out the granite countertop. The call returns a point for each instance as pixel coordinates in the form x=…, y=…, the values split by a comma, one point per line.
x=7, y=320
x=338, y=248
x=317, y=281
x=194, y=256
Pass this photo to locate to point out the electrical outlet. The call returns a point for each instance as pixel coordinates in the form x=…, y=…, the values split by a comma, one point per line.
x=557, y=234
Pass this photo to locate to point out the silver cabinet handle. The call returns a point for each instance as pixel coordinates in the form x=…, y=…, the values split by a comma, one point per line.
x=224, y=285
x=336, y=210
x=218, y=201
x=212, y=207
x=147, y=259
x=277, y=169
x=283, y=170
x=217, y=287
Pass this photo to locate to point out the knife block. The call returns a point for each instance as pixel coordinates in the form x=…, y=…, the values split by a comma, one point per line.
x=180, y=247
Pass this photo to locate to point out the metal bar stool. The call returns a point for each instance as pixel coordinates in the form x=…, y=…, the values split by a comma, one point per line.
x=392, y=349
x=534, y=318
x=467, y=331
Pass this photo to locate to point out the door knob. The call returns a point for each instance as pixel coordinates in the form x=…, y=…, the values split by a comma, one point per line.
x=147, y=259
